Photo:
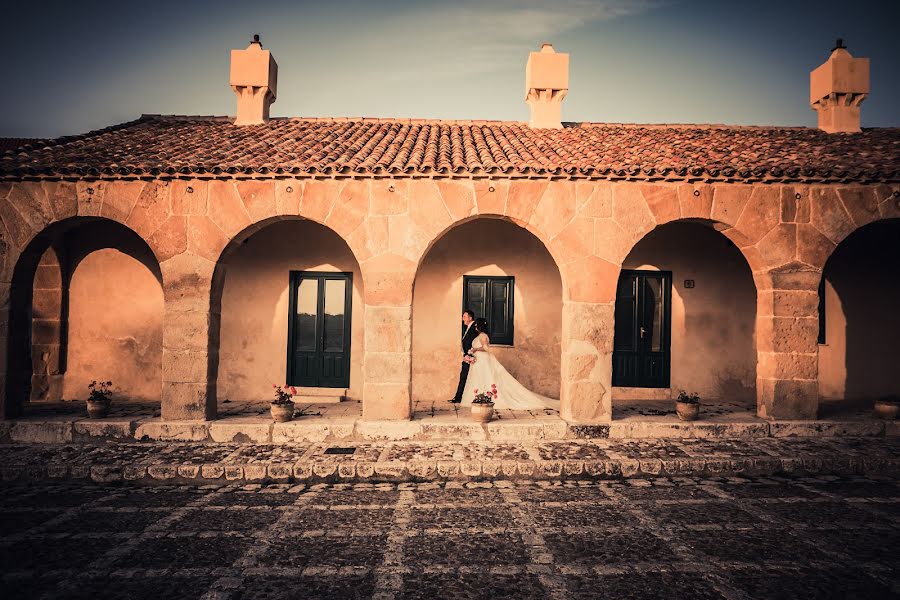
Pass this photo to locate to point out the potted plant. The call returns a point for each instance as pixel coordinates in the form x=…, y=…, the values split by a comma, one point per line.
x=887, y=407
x=687, y=406
x=283, y=404
x=483, y=405
x=99, y=400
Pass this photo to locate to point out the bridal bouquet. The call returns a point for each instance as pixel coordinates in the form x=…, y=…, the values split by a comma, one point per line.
x=468, y=359
x=486, y=397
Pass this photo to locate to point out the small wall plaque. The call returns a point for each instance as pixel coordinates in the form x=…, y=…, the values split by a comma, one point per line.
x=688, y=283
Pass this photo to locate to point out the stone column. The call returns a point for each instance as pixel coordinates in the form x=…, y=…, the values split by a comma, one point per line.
x=387, y=363
x=787, y=328
x=7, y=411
x=48, y=329
x=190, y=339
x=587, y=340
x=387, y=366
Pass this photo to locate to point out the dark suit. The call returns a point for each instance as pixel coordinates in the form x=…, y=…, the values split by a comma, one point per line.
x=467, y=339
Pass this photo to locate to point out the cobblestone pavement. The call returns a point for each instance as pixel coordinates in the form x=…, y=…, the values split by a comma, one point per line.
x=442, y=460
x=698, y=538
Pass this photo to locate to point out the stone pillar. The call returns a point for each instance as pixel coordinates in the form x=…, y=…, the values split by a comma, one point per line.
x=48, y=329
x=190, y=339
x=387, y=366
x=387, y=363
x=787, y=329
x=587, y=342
x=6, y=410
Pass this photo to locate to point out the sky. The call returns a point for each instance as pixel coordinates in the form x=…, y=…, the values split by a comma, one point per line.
x=71, y=67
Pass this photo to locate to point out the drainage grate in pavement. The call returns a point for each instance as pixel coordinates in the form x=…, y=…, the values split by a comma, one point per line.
x=338, y=450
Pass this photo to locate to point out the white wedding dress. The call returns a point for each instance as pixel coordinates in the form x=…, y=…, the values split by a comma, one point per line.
x=511, y=394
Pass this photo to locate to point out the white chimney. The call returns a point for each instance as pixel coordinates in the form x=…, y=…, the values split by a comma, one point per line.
x=254, y=74
x=546, y=84
x=837, y=88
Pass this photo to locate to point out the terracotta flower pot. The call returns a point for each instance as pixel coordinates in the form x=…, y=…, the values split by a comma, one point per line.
x=687, y=411
x=97, y=409
x=282, y=413
x=482, y=413
x=887, y=409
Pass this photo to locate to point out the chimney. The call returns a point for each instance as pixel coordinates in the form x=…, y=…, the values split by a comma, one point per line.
x=254, y=74
x=837, y=88
x=546, y=84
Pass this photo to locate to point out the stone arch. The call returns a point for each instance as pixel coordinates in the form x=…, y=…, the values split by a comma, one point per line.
x=724, y=301
x=506, y=247
x=268, y=272
x=545, y=209
x=72, y=239
x=859, y=324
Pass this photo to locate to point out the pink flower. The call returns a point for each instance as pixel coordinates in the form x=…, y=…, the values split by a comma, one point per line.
x=293, y=390
x=274, y=386
x=476, y=390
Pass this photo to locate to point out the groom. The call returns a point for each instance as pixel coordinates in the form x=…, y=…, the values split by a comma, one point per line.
x=468, y=320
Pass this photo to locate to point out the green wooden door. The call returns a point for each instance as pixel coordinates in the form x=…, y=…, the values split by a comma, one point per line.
x=642, y=341
x=319, y=329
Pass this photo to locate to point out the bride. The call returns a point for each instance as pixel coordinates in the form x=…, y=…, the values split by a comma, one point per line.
x=487, y=371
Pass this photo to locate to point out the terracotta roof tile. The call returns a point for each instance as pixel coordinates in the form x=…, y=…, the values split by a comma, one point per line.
x=212, y=146
x=8, y=144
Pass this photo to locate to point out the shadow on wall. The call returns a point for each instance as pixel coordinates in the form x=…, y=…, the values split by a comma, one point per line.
x=486, y=246
x=860, y=357
x=115, y=312
x=713, y=350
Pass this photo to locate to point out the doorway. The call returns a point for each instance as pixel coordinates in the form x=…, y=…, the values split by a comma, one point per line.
x=319, y=329
x=642, y=339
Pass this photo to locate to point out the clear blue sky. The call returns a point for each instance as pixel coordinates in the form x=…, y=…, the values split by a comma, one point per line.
x=75, y=66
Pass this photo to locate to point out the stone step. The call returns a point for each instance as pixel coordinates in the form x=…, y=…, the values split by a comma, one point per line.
x=185, y=463
x=313, y=429
x=313, y=395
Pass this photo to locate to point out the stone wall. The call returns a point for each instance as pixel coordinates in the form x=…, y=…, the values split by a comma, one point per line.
x=785, y=232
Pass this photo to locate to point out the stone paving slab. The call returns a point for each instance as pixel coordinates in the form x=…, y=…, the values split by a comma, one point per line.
x=158, y=462
x=731, y=538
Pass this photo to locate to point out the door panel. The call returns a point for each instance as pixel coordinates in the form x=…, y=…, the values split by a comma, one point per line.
x=643, y=331
x=319, y=329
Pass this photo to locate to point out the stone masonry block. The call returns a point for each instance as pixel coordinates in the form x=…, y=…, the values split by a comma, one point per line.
x=795, y=303
x=387, y=367
x=729, y=202
x=388, y=329
x=386, y=401
x=179, y=366
x=188, y=401
x=782, y=365
x=188, y=330
x=523, y=198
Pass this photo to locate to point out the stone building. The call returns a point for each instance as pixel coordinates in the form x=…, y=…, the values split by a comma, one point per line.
x=198, y=259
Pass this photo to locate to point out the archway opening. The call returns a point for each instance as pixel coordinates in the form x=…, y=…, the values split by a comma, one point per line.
x=685, y=320
x=86, y=303
x=290, y=298
x=859, y=324
x=503, y=272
